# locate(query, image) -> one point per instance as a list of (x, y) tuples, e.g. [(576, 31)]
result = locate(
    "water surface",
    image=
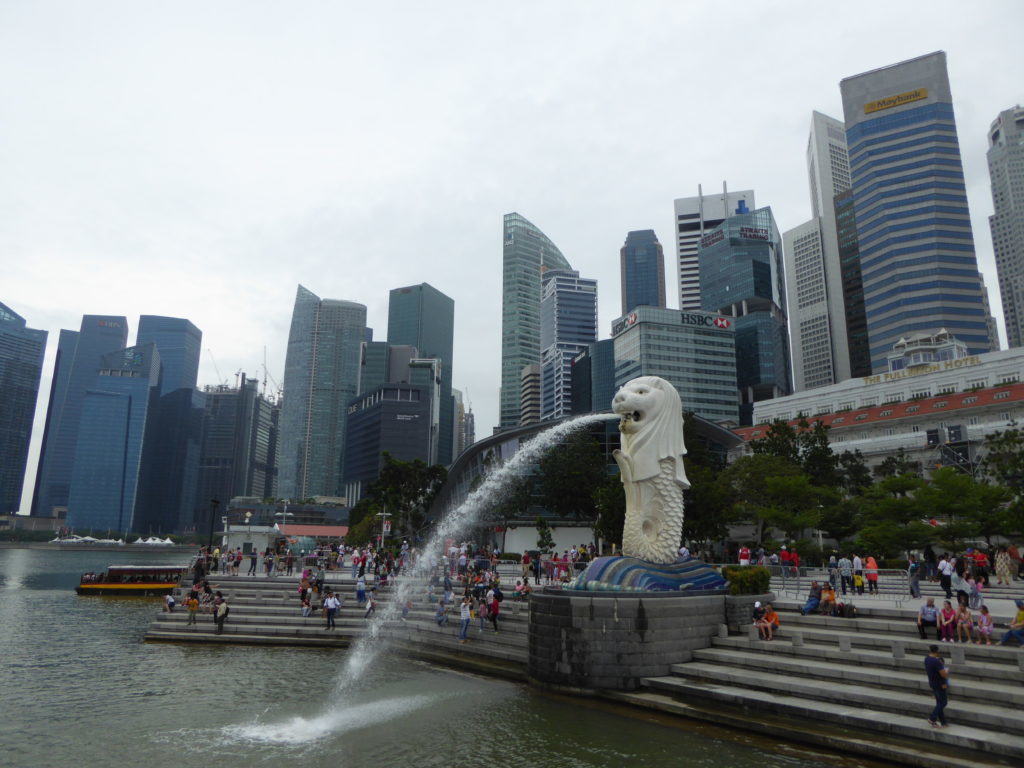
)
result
[(80, 689)]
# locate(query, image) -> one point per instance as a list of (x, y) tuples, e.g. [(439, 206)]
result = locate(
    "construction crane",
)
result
[(266, 375), (221, 380)]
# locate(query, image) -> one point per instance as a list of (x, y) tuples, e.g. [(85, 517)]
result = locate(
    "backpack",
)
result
[(498, 595), (849, 611)]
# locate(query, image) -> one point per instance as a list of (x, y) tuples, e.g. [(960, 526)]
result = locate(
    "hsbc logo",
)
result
[(689, 318)]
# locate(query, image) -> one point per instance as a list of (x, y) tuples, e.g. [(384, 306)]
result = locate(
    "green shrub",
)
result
[(747, 579)]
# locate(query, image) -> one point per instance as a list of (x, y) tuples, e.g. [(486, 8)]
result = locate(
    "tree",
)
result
[(898, 464), (363, 532), (610, 502), (779, 440), (544, 540), (1004, 458), (855, 476), (746, 483), (568, 474), (708, 507), (792, 504), (405, 489), (804, 446)]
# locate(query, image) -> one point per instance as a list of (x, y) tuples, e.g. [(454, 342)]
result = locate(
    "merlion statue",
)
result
[(651, 467)]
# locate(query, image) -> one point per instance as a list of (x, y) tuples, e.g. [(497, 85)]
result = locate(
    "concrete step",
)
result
[(333, 641), (841, 692), (868, 609), (841, 671), (896, 724), (993, 654), (981, 672)]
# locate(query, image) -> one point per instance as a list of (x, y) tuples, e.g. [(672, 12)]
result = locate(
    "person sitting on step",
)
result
[(828, 599), (813, 599), (769, 623)]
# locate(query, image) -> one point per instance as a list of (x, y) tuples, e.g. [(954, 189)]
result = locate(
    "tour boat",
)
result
[(132, 580)]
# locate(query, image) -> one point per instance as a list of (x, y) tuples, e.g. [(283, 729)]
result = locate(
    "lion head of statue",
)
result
[(651, 424)]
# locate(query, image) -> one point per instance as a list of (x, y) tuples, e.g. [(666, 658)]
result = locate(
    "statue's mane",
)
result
[(660, 436)]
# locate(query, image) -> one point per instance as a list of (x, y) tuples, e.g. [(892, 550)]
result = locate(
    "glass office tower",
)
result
[(117, 421), (642, 271), (421, 316), (79, 355), (741, 275), (568, 325), (917, 258), (1006, 172), (21, 366), (179, 343), (321, 375), (526, 253)]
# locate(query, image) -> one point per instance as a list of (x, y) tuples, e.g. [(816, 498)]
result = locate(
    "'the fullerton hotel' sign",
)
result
[(895, 101)]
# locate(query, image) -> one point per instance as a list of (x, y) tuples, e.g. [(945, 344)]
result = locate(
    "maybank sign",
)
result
[(896, 101)]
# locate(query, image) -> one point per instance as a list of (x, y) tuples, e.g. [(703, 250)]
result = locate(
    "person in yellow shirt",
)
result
[(192, 604), (1016, 630)]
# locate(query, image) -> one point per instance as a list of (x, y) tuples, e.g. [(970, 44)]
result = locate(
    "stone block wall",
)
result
[(611, 641), (739, 609)]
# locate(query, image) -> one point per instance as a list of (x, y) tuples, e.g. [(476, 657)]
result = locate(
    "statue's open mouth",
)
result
[(632, 416)]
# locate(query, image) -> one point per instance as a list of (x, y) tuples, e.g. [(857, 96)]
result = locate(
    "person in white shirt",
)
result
[(946, 575), (684, 553), (464, 617), (331, 605)]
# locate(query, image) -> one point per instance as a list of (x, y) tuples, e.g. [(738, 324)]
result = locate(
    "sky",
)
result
[(200, 160)]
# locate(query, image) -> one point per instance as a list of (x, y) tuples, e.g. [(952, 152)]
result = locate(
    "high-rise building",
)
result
[(421, 316), (239, 455), (741, 275), (593, 377), (695, 351), (529, 394), (917, 258), (400, 418), (179, 343), (1006, 173), (21, 366), (526, 253), (79, 356), (321, 375), (695, 217), (568, 325), (848, 249), (117, 420), (172, 459), (814, 281), (470, 428), (459, 424), (642, 271)]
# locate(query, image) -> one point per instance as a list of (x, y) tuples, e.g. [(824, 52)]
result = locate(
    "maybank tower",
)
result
[(917, 258)]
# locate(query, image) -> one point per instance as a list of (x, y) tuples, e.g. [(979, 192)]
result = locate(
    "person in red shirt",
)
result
[(744, 555), (981, 566)]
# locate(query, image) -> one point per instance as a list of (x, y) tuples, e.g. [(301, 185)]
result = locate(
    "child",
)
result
[(169, 603), (405, 610), (974, 593), (361, 591), (964, 624), (858, 583), (441, 614), (307, 606), (192, 604), (769, 623), (947, 620), (371, 604), (984, 626)]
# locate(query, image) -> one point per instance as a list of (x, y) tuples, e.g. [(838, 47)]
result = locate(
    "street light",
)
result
[(214, 503), (383, 523)]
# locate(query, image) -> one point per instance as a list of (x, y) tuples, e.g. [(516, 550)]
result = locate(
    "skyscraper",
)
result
[(321, 375), (179, 343), (529, 394), (239, 455), (117, 421), (853, 286), (79, 357), (526, 252), (1006, 173), (814, 280), (741, 275), (168, 495), (695, 217), (568, 325), (21, 365), (421, 316), (918, 264), (642, 271), (593, 377)]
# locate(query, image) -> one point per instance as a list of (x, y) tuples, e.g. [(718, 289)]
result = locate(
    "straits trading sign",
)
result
[(895, 101)]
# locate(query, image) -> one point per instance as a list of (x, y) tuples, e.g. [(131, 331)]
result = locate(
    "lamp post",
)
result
[(383, 523), (214, 503)]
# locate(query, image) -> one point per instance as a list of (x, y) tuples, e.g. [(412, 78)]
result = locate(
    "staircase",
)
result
[(858, 681)]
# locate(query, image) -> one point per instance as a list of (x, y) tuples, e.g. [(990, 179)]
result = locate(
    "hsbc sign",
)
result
[(689, 318)]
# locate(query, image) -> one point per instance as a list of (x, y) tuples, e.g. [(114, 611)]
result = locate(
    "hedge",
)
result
[(747, 579)]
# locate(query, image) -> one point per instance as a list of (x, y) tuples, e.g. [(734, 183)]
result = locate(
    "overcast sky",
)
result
[(201, 159)]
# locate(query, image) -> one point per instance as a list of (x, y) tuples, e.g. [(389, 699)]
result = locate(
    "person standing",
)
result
[(331, 605), (845, 573), (1004, 567), (938, 677), (858, 569), (464, 617), (192, 604), (744, 555), (253, 557), (526, 566), (945, 568), (914, 576), (220, 614), (872, 574)]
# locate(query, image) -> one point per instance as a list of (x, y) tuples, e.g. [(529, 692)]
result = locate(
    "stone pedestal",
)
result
[(610, 641)]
